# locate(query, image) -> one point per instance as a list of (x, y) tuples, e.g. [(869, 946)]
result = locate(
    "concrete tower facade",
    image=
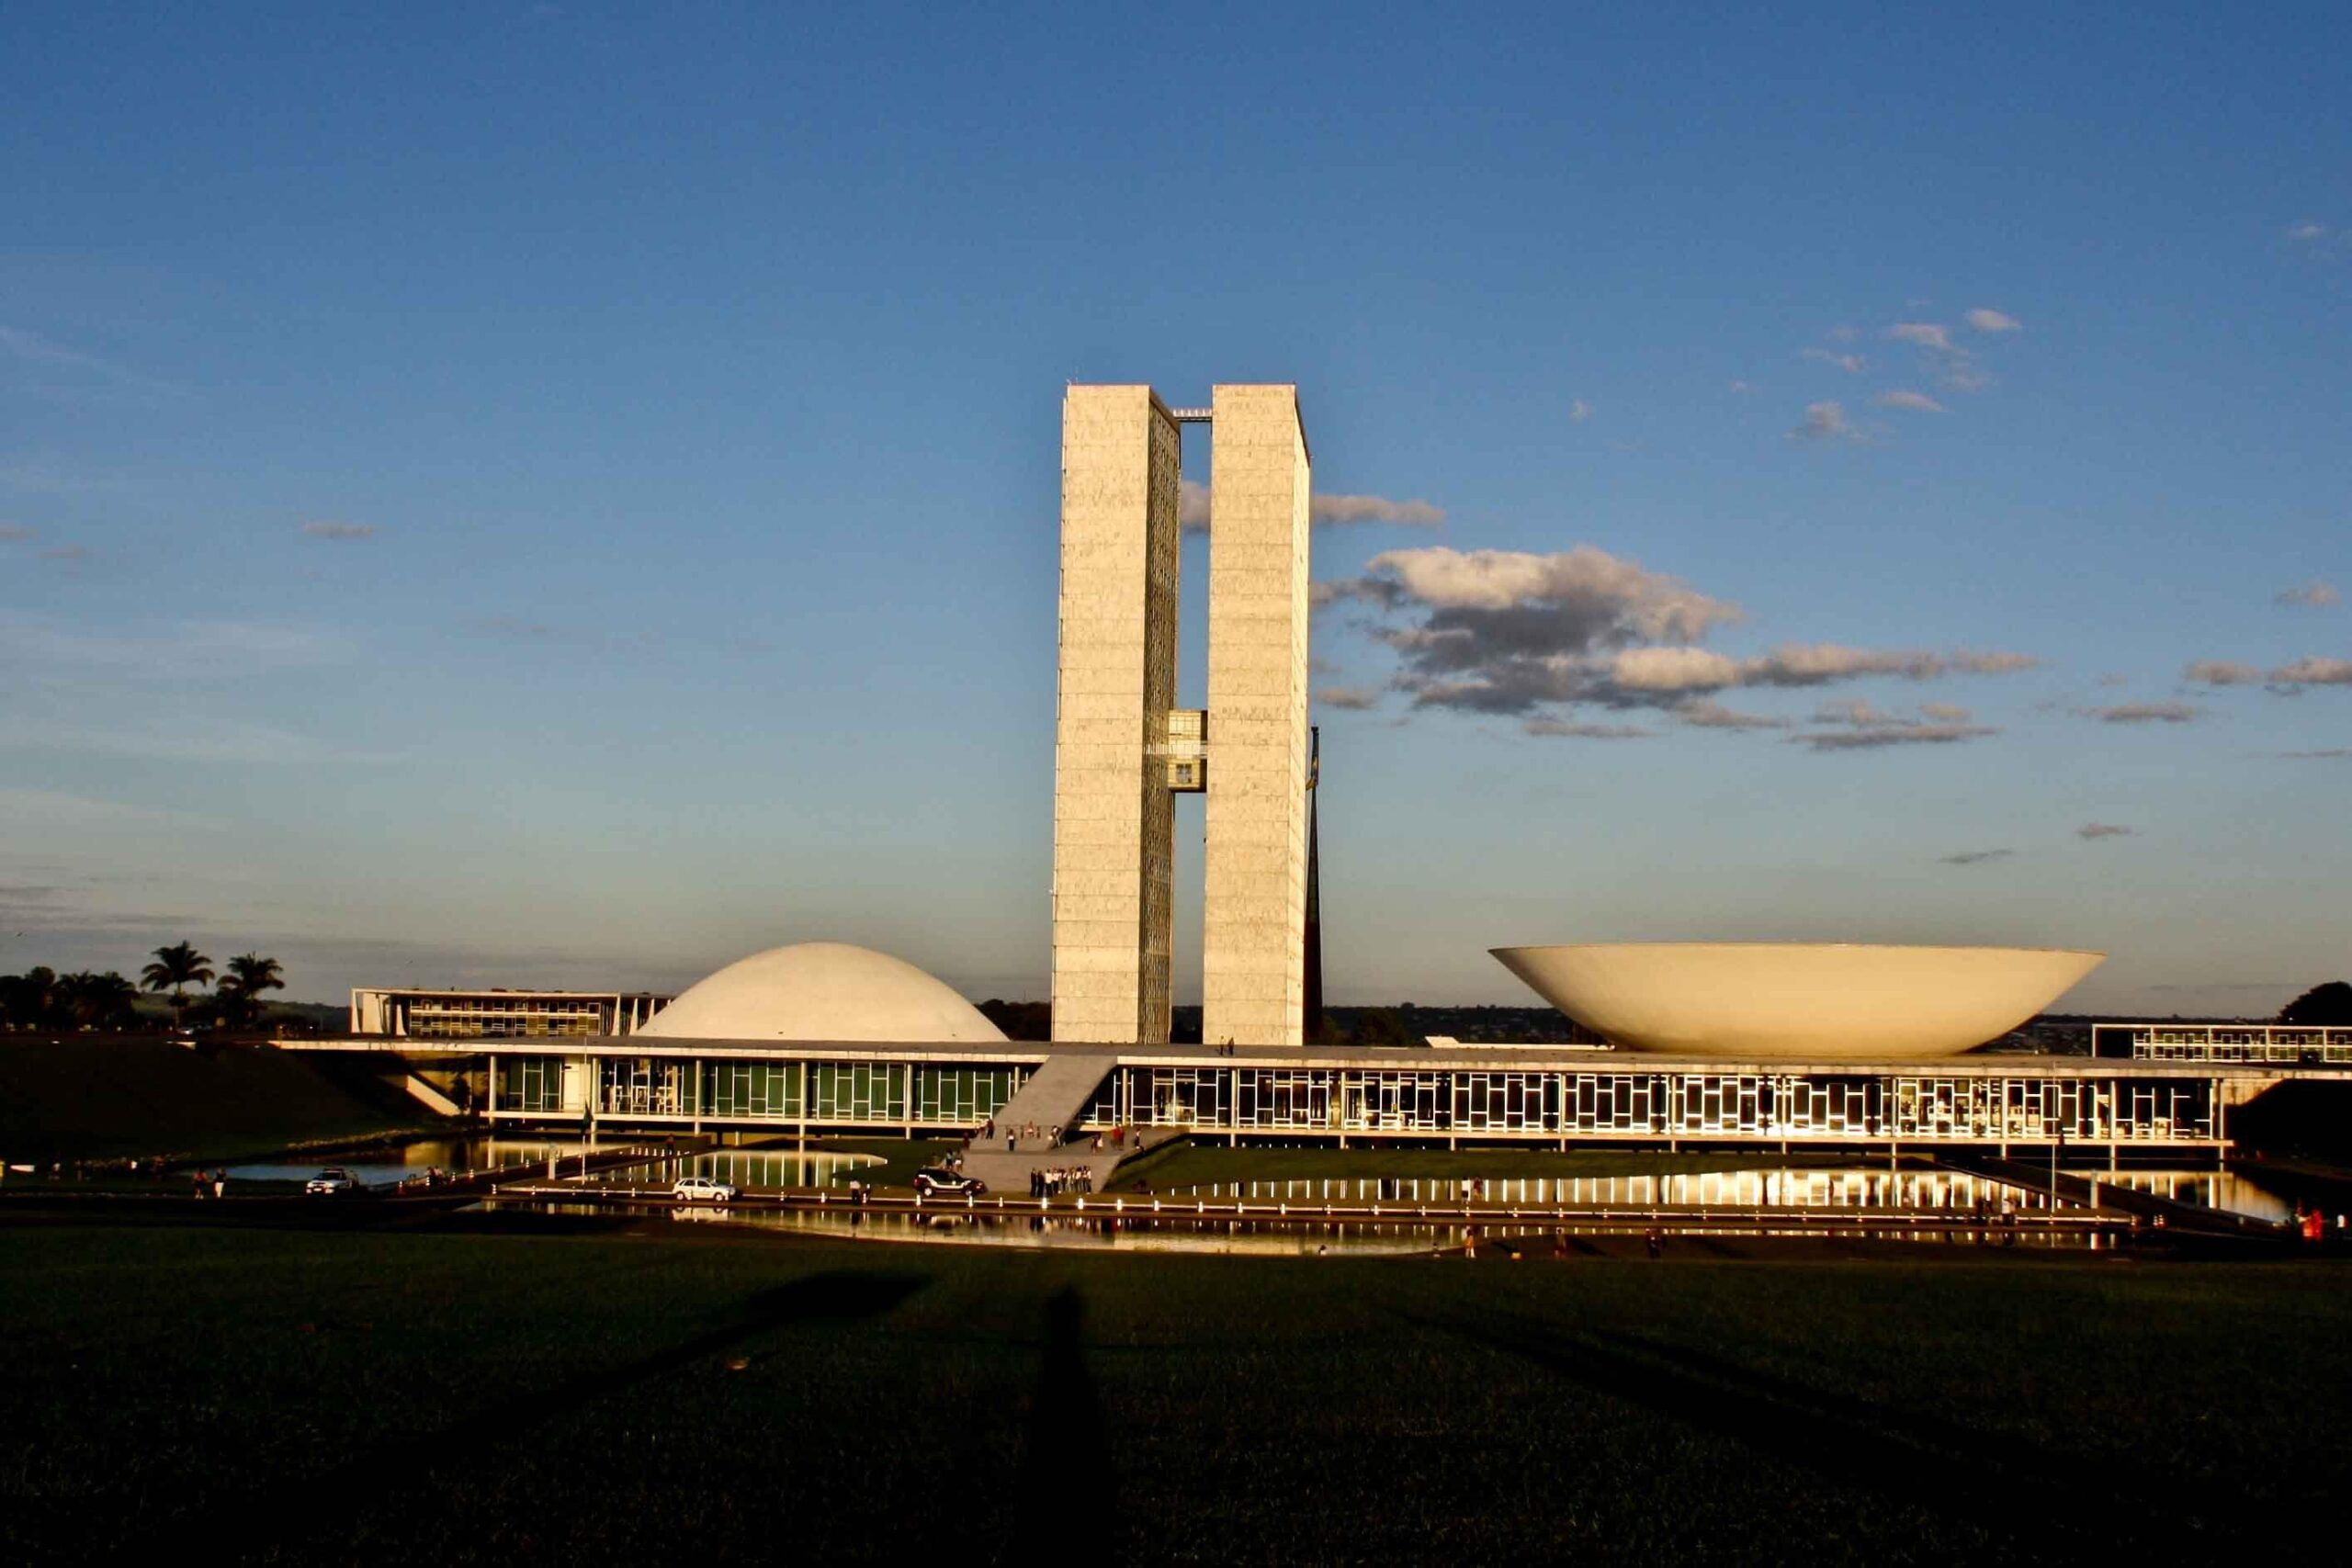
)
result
[(1113, 815), (1123, 749), (1254, 912)]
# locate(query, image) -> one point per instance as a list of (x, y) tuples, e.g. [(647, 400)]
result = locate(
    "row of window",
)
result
[(892, 1092), (1280, 1099)]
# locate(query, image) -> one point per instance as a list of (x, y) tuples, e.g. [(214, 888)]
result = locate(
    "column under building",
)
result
[(1254, 909), (1113, 816)]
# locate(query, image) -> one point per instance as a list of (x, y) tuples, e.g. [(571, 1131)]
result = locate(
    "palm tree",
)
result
[(175, 968), (98, 1001), (239, 999), (29, 1000)]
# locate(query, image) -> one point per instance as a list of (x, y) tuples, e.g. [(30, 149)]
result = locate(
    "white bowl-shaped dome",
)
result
[(1809, 1001), (821, 990)]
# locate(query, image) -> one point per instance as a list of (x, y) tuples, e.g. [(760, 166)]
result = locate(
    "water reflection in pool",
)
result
[(747, 1168), (1133, 1234), (1909, 1191), (2225, 1190), (381, 1167)]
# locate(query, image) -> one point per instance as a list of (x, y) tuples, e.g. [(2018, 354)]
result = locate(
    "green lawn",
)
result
[(900, 1157), (631, 1393), (1191, 1165), (102, 1098)]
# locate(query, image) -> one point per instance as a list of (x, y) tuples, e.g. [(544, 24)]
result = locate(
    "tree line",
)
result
[(42, 999)]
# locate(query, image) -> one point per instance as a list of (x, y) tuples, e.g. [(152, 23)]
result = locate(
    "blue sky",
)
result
[(567, 493)]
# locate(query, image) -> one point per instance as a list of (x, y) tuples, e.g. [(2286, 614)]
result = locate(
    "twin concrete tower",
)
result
[(1123, 751)]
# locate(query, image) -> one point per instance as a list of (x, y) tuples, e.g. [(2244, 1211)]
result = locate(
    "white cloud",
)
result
[(1975, 857), (2314, 671), (1561, 727), (1589, 581), (1917, 403), (11, 533), (1985, 321), (2314, 594), (340, 530), (1858, 725), (1511, 631), (1374, 509), (1850, 710), (167, 652), (211, 739), (31, 349), (1826, 421), (34, 808), (2307, 232), (1192, 505), (1706, 712), (2102, 830), (1579, 411), (1673, 670), (1926, 334), (1193, 510), (1955, 367), (2144, 712), (1353, 698), (1995, 663), (1851, 363), (1843, 334)]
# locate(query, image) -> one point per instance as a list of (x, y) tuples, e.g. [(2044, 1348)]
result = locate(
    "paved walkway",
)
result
[(1007, 1174)]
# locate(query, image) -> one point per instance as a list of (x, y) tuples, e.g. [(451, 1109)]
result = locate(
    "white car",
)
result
[(332, 1182), (694, 1189)]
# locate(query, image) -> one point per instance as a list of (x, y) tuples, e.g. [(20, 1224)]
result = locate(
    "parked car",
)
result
[(332, 1182), (703, 1189), (938, 1180)]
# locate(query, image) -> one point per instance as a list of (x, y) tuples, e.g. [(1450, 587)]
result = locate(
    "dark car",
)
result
[(938, 1179)]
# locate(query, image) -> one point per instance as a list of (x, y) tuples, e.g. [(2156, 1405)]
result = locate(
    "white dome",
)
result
[(1803, 1001), (821, 990)]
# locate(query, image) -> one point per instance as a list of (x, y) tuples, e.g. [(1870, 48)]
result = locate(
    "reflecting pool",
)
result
[(1904, 1190), (747, 1168), (385, 1166), (2228, 1190)]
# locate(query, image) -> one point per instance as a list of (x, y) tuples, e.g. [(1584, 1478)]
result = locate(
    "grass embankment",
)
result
[(107, 1098), (1183, 1165), (301, 1398)]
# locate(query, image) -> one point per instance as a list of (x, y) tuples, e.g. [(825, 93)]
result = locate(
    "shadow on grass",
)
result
[(2028, 1502), (300, 1514), (1064, 1491)]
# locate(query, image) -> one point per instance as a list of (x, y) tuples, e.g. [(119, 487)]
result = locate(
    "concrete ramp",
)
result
[(1057, 1095), (422, 1091)]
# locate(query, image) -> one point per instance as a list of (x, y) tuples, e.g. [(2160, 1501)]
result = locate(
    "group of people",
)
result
[(1052, 1183), (1116, 1138), (210, 1183), (1012, 1135)]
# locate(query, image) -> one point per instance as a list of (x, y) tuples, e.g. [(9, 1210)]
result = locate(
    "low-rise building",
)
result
[(499, 1014)]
